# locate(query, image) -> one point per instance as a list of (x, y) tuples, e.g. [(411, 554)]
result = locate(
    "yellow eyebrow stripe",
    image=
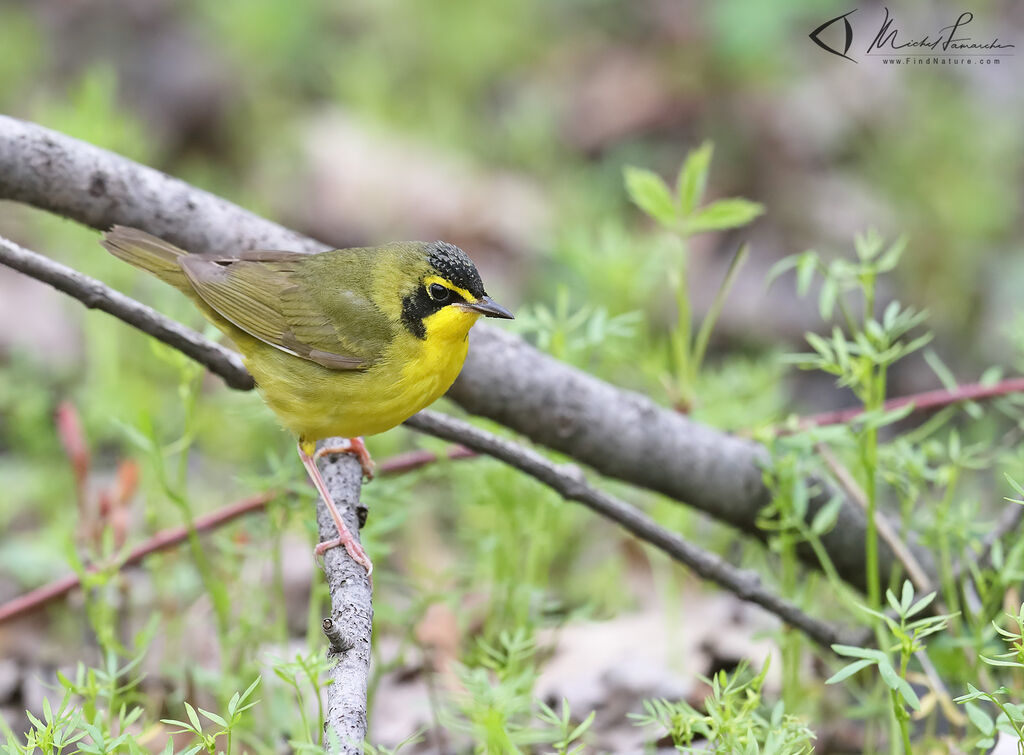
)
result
[(431, 279)]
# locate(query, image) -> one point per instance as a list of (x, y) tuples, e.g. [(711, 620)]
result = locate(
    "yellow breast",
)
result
[(315, 402)]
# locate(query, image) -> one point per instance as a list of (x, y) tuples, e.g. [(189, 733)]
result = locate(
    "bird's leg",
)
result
[(355, 550), (357, 448)]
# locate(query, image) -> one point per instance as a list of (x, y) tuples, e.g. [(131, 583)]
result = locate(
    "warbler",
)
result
[(347, 342)]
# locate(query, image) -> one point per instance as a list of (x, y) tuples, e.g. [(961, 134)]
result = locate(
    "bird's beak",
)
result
[(487, 307)]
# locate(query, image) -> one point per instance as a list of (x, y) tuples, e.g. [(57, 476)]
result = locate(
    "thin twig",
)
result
[(161, 541), (95, 295), (927, 400), (412, 460), (914, 569), (569, 482)]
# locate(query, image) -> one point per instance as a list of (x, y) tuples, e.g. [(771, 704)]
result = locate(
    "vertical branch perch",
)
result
[(349, 625)]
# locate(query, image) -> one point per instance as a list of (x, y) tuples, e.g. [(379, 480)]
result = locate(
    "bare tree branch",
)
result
[(571, 484), (351, 609)]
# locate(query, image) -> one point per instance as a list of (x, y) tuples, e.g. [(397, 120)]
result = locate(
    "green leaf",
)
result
[(996, 662), (826, 517), (921, 604), (651, 195), (852, 651), (907, 693), (214, 717), (782, 266), (1017, 487), (722, 215), (893, 603), (991, 376), (584, 725), (973, 693), (827, 299), (942, 372), (880, 418), (981, 720), (847, 671), (805, 267), (907, 596), (693, 177), (892, 256), (820, 345), (193, 717), (172, 722), (888, 674)]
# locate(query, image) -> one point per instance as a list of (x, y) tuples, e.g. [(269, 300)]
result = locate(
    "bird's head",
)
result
[(449, 296)]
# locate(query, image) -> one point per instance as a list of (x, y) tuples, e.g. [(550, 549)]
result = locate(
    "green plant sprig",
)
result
[(680, 211)]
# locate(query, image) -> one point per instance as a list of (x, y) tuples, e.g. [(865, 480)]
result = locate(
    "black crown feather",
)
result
[(453, 265)]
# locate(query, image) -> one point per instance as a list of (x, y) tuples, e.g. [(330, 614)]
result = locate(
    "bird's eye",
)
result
[(438, 292)]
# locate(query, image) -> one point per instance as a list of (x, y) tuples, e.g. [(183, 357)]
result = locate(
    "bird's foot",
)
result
[(357, 448), (345, 537), (352, 546)]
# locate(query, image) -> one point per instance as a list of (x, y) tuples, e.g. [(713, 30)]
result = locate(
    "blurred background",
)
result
[(503, 127)]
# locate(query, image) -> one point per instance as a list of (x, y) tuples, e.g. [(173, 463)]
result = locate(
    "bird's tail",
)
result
[(148, 253)]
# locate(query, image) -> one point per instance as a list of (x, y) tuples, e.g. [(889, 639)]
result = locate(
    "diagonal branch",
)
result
[(571, 484), (504, 379)]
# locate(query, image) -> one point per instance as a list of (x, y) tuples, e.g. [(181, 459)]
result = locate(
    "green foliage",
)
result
[(224, 726), (860, 356), (90, 112), (495, 706), (569, 731), (682, 214), (734, 720), (906, 636), (1010, 719), (578, 336), (56, 731), (302, 673)]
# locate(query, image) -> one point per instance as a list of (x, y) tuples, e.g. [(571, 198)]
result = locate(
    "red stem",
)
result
[(169, 538), (928, 400), (411, 460), (163, 540)]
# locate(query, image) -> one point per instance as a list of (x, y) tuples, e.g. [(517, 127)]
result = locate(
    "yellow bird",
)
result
[(348, 342)]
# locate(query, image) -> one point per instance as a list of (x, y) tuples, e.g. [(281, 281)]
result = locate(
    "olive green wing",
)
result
[(273, 297)]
